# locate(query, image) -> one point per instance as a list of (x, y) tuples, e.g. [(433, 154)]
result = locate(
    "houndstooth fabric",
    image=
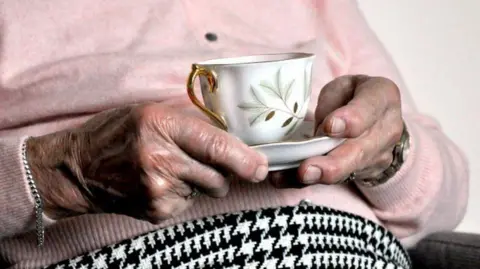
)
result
[(303, 236)]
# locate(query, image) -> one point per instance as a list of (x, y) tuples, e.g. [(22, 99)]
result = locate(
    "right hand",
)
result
[(141, 161)]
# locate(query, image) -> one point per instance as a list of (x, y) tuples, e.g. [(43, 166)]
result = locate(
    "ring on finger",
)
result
[(195, 193), (350, 178)]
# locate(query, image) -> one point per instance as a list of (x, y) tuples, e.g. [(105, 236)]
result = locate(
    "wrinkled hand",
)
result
[(142, 161), (367, 110)]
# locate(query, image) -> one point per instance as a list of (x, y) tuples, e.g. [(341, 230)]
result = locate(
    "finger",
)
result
[(213, 146), (334, 167), (165, 196), (285, 179), (168, 172), (370, 149), (154, 202), (207, 179), (166, 207), (372, 98), (334, 94), (378, 167), (353, 155)]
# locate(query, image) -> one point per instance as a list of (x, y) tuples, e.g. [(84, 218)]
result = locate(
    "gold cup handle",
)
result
[(212, 83)]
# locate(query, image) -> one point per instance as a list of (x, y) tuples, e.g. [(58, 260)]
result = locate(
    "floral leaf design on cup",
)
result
[(287, 122), (258, 108), (306, 98), (270, 115), (261, 110)]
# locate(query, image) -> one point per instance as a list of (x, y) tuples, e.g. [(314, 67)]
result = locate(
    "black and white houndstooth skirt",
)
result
[(302, 236)]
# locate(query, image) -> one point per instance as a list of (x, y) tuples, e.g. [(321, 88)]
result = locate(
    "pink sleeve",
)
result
[(17, 213), (430, 191)]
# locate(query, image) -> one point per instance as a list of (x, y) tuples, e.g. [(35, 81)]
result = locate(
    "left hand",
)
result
[(367, 110)]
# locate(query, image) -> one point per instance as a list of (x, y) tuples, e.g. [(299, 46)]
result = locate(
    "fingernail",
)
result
[(338, 125), (261, 173), (264, 157), (312, 175), (319, 131)]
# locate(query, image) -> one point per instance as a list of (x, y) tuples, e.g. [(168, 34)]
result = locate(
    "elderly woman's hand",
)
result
[(143, 161), (367, 111)]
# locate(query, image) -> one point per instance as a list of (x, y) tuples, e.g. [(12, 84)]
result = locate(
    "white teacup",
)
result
[(260, 99)]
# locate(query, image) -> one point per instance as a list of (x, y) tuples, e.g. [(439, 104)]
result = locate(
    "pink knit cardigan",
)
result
[(62, 61)]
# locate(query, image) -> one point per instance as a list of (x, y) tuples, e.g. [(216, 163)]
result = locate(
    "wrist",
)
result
[(60, 194)]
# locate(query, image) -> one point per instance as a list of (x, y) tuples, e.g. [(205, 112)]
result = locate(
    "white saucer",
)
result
[(291, 153)]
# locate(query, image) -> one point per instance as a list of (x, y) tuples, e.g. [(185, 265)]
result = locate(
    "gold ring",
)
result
[(350, 178), (195, 193)]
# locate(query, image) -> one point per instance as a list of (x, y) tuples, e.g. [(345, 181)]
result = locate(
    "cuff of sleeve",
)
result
[(412, 183), (17, 205)]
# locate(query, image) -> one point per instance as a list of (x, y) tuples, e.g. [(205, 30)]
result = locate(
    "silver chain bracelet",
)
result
[(36, 197)]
